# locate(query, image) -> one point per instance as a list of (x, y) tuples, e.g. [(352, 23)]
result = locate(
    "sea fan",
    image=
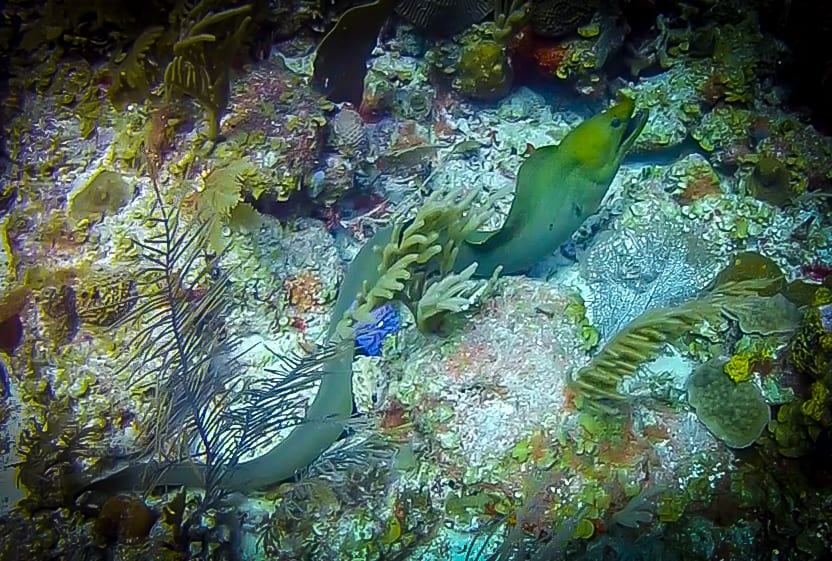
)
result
[(639, 510), (596, 384)]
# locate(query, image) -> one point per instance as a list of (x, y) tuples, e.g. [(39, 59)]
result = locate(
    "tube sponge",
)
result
[(736, 413)]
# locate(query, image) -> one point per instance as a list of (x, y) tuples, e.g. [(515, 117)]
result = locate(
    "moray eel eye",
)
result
[(615, 123)]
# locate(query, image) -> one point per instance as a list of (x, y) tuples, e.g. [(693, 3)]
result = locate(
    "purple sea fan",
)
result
[(369, 336)]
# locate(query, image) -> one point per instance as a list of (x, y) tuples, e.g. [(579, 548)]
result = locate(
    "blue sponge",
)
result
[(370, 336)]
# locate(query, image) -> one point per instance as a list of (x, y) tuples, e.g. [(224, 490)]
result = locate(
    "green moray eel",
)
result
[(557, 188)]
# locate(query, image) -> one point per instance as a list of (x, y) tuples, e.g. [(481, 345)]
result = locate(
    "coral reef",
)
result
[(276, 125), (193, 44), (643, 338), (105, 300), (479, 65), (800, 423), (693, 178), (554, 18), (444, 17), (512, 418), (468, 394), (587, 54), (811, 348)]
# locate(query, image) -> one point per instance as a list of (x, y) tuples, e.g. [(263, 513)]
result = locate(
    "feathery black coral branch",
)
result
[(182, 354), (184, 358)]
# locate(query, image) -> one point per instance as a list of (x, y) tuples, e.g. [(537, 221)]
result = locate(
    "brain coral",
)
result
[(553, 18), (444, 17), (736, 412)]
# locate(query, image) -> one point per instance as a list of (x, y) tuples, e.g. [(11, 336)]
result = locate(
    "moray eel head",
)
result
[(600, 143)]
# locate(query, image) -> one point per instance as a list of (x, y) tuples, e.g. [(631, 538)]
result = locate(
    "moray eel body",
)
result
[(324, 422), (557, 188)]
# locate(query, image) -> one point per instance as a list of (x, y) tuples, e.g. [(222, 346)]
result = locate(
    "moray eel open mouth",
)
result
[(635, 124), (558, 187)]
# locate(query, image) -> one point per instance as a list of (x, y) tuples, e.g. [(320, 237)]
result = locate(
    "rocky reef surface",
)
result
[(477, 440)]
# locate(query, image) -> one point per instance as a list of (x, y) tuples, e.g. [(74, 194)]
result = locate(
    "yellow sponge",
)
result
[(738, 367)]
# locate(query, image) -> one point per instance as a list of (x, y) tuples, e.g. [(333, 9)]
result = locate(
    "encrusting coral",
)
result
[(738, 367), (105, 299), (799, 424), (105, 193), (483, 70), (747, 265)]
